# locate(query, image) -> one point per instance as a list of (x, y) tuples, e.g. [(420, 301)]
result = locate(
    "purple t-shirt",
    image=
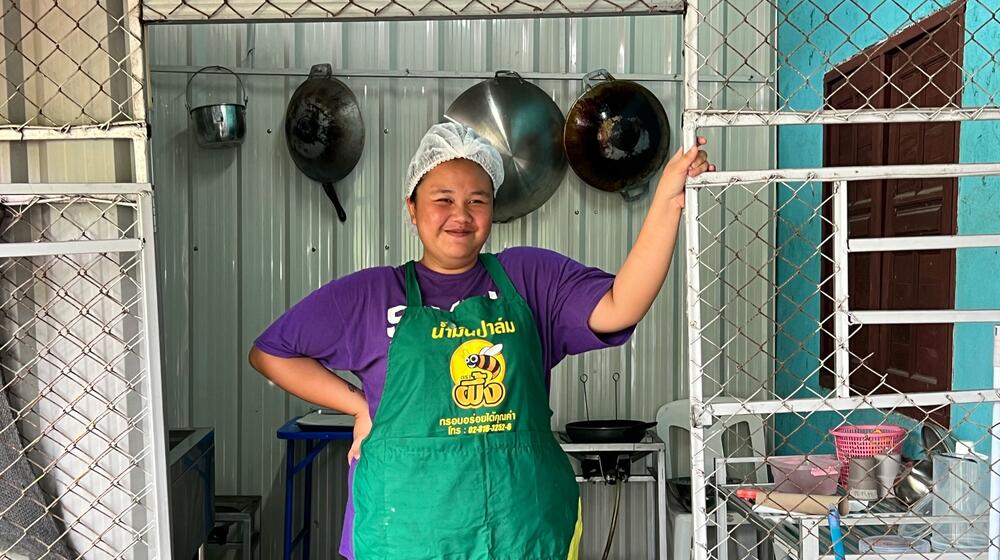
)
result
[(348, 323)]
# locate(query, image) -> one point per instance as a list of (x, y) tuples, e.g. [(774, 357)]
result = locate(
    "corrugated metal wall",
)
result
[(242, 235)]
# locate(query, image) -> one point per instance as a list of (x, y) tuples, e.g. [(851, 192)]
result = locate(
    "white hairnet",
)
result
[(447, 141)]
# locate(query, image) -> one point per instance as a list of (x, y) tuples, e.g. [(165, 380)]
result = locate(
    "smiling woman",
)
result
[(454, 353), (453, 211)]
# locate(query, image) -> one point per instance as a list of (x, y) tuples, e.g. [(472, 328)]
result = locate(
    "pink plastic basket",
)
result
[(865, 441)]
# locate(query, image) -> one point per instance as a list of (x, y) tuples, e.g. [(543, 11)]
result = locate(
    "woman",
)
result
[(454, 354)]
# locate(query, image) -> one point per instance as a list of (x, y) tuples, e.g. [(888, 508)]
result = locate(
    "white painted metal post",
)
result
[(695, 368), (854, 173), (151, 338), (994, 551), (841, 355), (809, 539), (661, 502)]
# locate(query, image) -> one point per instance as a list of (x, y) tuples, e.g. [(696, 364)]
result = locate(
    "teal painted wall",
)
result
[(977, 270), (816, 37)]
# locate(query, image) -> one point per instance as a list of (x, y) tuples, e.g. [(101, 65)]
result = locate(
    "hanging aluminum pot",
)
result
[(526, 127), (219, 125), (324, 130), (617, 135)]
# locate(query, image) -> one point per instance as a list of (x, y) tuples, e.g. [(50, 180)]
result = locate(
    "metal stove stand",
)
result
[(614, 463)]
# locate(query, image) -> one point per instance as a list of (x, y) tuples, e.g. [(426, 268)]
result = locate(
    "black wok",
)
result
[(324, 130), (607, 431), (617, 135)]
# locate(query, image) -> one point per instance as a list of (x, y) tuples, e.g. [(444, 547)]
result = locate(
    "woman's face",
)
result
[(453, 212)]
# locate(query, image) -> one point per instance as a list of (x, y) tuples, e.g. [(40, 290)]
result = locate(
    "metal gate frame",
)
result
[(142, 246), (704, 413)]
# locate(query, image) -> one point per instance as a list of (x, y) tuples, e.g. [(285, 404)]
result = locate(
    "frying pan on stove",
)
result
[(607, 431)]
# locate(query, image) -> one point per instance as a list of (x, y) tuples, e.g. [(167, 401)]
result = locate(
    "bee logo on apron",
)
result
[(478, 369)]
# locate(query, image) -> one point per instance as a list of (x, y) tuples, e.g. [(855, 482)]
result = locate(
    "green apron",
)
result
[(461, 462)]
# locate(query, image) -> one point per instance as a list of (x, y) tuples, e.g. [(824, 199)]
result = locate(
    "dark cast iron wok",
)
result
[(324, 130), (617, 135), (607, 431)]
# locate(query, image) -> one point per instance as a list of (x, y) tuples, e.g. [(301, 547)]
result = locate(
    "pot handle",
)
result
[(591, 79), (324, 70), (508, 74), (187, 91), (635, 192)]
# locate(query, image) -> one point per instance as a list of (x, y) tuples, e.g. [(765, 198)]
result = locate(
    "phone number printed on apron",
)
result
[(480, 423)]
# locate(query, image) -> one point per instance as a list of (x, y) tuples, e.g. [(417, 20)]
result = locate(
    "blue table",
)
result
[(315, 441)]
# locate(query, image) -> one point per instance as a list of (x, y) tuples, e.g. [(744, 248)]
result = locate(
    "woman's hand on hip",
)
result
[(362, 427)]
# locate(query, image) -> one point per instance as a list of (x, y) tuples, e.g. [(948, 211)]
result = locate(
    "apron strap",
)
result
[(413, 297), (499, 275)]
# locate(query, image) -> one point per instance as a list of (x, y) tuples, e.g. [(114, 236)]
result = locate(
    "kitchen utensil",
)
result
[(326, 421), (523, 122), (608, 431), (920, 508), (865, 441), (793, 503), (961, 491), (615, 377), (324, 130), (917, 478), (218, 125), (936, 439), (805, 474), (891, 544), (836, 533), (915, 482), (886, 470), (680, 489), (861, 478), (617, 135)]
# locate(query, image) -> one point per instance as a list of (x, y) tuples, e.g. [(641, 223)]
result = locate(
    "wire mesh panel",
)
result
[(70, 63), (833, 60), (235, 10), (80, 417), (856, 400)]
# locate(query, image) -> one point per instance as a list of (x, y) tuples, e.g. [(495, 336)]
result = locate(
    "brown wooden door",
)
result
[(919, 357), (918, 68), (859, 144)]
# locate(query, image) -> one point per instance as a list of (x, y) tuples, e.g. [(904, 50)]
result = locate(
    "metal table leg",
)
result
[(307, 516), (661, 501), (809, 539), (289, 497)]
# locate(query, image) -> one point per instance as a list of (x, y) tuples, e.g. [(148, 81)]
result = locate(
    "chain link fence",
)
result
[(885, 425), (837, 354), (78, 474), (237, 10), (70, 63), (825, 61)]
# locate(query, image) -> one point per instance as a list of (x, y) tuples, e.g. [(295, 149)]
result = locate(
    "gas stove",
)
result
[(612, 462)]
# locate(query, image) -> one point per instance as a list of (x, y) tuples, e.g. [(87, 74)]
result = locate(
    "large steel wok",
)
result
[(526, 126)]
